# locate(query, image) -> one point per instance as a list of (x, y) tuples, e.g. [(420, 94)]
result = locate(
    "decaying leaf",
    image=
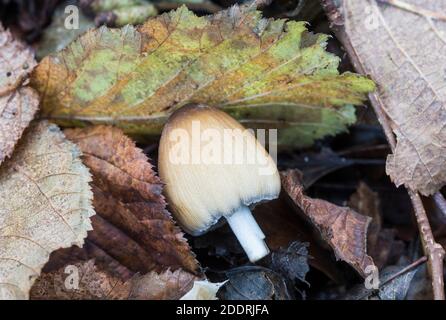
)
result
[(267, 73), (291, 262), (56, 36), (342, 228), (18, 103), (381, 242), (254, 283), (119, 13), (408, 65), (84, 281), (165, 286), (132, 224), (45, 204), (203, 290), (80, 281)]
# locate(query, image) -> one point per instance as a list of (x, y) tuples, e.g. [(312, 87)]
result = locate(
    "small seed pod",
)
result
[(213, 167)]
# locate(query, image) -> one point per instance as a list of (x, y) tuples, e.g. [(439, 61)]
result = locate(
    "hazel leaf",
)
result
[(45, 204), (267, 73), (18, 102), (132, 224)]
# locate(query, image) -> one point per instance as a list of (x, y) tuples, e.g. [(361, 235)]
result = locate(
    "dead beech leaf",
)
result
[(403, 52), (45, 204), (85, 281), (342, 228), (18, 103), (132, 224), (260, 70)]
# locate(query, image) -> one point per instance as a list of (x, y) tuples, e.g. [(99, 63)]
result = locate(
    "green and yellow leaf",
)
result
[(267, 73)]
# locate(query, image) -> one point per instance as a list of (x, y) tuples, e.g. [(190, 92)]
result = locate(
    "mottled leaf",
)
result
[(342, 228), (18, 103), (133, 225), (45, 204), (267, 73), (403, 51)]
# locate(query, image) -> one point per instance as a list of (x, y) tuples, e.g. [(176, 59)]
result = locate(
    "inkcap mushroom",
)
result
[(213, 167)]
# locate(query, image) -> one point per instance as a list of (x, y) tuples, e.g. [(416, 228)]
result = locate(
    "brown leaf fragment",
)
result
[(164, 286), (342, 228), (403, 52), (80, 281), (85, 281), (45, 204), (18, 103), (133, 225), (381, 242)]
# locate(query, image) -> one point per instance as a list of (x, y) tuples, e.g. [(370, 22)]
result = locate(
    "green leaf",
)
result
[(267, 73)]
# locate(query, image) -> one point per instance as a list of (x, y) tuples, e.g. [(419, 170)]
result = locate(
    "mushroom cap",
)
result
[(212, 166)]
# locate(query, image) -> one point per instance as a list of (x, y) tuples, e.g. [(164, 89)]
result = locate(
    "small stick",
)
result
[(406, 269), (415, 9)]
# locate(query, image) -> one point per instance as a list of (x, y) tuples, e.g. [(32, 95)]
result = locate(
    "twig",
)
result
[(433, 251), (406, 269), (415, 9)]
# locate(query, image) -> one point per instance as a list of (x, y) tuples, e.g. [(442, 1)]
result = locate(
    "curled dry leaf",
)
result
[(342, 228), (18, 103), (261, 71), (45, 204), (85, 281), (408, 65), (132, 224)]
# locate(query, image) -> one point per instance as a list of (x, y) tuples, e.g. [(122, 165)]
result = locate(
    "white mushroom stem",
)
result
[(248, 233)]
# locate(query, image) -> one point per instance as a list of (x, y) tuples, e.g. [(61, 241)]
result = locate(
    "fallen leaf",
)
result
[(291, 262), (85, 281), (262, 71), (165, 286), (56, 36), (403, 53), (254, 283), (342, 228), (381, 242), (119, 13), (18, 103), (132, 224), (203, 290), (392, 285), (45, 204), (282, 226), (80, 281)]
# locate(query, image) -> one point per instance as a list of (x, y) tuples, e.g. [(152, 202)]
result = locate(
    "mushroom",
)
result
[(213, 167)]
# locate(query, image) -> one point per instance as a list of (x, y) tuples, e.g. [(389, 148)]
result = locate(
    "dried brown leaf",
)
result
[(132, 225), (18, 103), (342, 228), (403, 51), (45, 204), (85, 281)]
